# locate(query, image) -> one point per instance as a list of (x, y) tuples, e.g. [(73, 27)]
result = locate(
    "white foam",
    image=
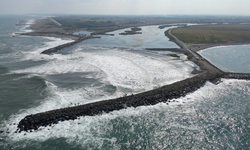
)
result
[(36, 54), (26, 27), (120, 68), (124, 69), (90, 129), (132, 70)]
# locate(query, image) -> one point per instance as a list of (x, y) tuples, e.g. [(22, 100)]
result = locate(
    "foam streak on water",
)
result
[(121, 68), (213, 117), (180, 124), (111, 69)]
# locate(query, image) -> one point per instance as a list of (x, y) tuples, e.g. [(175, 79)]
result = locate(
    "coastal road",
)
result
[(183, 45), (198, 59)]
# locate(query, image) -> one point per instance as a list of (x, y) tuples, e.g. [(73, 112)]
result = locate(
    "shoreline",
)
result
[(46, 27), (208, 72), (201, 47)]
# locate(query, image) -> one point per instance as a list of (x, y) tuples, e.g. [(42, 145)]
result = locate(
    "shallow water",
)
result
[(213, 117)]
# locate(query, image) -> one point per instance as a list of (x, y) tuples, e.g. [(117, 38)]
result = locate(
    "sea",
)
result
[(213, 117)]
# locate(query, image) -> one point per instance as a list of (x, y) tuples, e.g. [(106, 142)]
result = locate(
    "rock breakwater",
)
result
[(163, 94), (60, 47), (242, 76)]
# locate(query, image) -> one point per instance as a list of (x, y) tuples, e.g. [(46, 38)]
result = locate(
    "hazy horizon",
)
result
[(126, 7)]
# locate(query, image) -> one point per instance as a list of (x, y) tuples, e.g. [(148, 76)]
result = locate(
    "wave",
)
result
[(26, 25), (36, 55), (89, 130), (120, 68), (33, 52)]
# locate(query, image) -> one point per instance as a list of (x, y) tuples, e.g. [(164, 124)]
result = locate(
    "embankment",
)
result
[(240, 76), (176, 50)]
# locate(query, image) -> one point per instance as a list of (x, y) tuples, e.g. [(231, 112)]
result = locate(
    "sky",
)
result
[(126, 7)]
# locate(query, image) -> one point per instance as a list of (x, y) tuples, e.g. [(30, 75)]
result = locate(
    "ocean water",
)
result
[(213, 117)]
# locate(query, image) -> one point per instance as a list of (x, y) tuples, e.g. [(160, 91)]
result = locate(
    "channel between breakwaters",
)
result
[(164, 94)]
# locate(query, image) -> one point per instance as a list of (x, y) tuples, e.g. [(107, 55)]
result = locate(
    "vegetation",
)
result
[(136, 29), (164, 26), (133, 31), (101, 24), (213, 33)]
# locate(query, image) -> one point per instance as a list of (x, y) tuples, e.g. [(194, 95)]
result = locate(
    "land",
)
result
[(134, 30), (165, 26), (47, 27), (166, 94), (64, 26), (101, 24), (205, 36)]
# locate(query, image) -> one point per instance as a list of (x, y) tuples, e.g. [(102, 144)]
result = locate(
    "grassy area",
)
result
[(214, 33), (133, 31), (101, 24)]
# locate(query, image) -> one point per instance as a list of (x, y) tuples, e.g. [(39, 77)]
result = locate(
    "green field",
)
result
[(214, 33)]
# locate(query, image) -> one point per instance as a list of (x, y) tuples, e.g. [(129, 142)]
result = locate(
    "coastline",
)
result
[(200, 47), (208, 72), (46, 27)]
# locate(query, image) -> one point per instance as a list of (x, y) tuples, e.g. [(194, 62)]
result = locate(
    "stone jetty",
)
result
[(60, 47), (163, 94), (240, 76)]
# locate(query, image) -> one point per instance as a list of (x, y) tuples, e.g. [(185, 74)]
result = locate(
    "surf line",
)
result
[(60, 47), (163, 94)]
